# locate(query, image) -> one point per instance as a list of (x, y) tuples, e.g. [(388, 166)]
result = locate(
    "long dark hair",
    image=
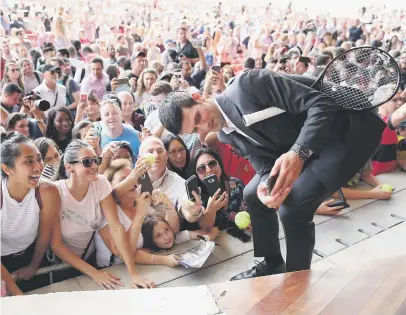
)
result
[(223, 178), (184, 172), (10, 148), (147, 228), (51, 131)]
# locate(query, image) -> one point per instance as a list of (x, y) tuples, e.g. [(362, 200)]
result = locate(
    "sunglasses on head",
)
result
[(201, 169), (87, 162)]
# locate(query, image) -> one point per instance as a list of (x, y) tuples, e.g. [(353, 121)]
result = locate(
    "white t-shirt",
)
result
[(103, 254), (79, 219)]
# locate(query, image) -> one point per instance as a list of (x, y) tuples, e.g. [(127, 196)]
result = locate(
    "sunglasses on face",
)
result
[(87, 162), (201, 169)]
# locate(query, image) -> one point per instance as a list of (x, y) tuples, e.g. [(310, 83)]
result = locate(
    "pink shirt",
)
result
[(79, 219), (96, 85)]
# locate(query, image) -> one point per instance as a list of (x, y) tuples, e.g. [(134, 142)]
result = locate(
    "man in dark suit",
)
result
[(289, 130)]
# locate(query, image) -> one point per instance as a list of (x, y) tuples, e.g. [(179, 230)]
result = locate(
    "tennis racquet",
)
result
[(360, 78)]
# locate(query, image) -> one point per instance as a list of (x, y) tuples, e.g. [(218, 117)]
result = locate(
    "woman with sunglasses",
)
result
[(222, 207), (59, 126), (178, 155), (27, 208), (86, 201), (12, 74)]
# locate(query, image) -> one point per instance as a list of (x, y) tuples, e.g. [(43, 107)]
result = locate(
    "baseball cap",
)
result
[(402, 125), (49, 68), (138, 54), (169, 41)]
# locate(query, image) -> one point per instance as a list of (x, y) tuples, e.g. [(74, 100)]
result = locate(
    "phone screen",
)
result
[(83, 97), (216, 68)]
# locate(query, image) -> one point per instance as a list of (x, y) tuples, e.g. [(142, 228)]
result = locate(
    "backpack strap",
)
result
[(82, 74), (37, 77)]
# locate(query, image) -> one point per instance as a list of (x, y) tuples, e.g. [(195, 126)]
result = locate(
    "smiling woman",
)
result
[(59, 126), (27, 208), (86, 202)]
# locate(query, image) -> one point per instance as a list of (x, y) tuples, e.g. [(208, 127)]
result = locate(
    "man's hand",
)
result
[(272, 201), (288, 168)]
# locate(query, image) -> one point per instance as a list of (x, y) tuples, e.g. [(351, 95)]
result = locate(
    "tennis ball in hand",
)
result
[(150, 158), (387, 188), (242, 219)]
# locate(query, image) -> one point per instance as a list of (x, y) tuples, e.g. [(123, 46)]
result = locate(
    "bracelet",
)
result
[(153, 260)]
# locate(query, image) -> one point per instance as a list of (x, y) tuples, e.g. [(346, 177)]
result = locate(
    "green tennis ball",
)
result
[(387, 187), (150, 158), (242, 219)]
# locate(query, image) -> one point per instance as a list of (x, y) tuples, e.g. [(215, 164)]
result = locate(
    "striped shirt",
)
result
[(19, 221)]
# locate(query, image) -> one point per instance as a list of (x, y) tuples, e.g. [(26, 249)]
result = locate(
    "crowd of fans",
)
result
[(80, 91)]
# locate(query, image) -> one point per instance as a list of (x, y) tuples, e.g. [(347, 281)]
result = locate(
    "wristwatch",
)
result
[(302, 152)]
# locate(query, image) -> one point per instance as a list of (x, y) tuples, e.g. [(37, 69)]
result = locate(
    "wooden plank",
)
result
[(279, 299), (362, 286), (238, 297), (391, 295), (319, 295)]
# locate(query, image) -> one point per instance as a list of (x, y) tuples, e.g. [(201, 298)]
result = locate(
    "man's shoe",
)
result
[(259, 270)]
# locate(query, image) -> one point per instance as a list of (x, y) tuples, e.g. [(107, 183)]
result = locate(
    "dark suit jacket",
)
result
[(341, 141)]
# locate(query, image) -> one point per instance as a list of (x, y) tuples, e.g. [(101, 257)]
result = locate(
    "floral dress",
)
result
[(225, 217)]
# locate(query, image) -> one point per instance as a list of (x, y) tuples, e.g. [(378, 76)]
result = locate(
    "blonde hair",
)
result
[(141, 88)]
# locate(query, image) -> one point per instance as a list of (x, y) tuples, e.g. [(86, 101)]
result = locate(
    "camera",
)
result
[(175, 56), (38, 101)]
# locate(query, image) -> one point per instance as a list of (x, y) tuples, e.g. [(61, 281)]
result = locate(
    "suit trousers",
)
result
[(296, 214)]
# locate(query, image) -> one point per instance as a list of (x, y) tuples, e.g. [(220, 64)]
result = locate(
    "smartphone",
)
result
[(177, 73), (123, 85), (212, 184), (83, 97), (192, 185), (97, 128), (146, 184), (341, 203), (240, 234), (216, 68), (270, 182), (122, 81)]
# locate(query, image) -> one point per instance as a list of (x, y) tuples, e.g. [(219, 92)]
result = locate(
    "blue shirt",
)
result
[(129, 134)]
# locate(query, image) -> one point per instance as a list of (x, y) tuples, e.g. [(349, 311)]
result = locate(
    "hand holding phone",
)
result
[(212, 184), (270, 183), (146, 184), (192, 184), (83, 98)]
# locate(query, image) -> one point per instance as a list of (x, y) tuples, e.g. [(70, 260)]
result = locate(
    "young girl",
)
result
[(86, 201), (27, 208), (159, 235)]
